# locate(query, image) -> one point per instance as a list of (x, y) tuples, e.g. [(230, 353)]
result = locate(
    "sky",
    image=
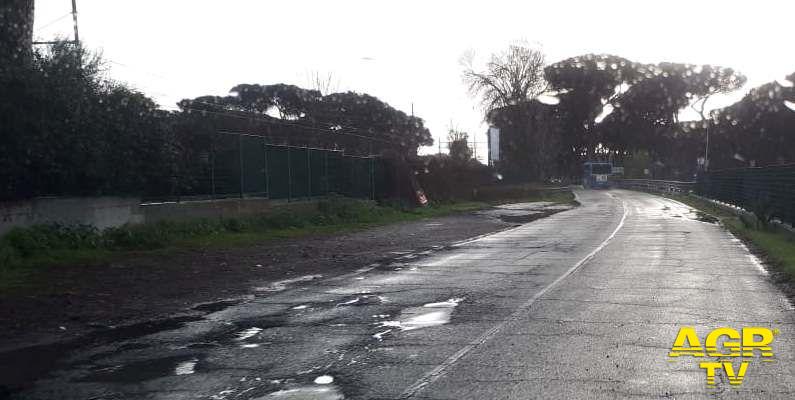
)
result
[(407, 52)]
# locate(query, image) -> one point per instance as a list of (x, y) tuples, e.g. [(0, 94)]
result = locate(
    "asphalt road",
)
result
[(583, 304)]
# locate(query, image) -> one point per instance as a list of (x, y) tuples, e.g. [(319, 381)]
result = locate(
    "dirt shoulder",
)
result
[(78, 299)]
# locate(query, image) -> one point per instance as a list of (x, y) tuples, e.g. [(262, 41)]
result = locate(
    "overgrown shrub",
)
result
[(27, 243), (445, 179), (67, 130)]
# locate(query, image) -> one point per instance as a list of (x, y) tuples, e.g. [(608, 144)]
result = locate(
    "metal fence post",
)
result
[(267, 171), (325, 167), (372, 173), (212, 170), (372, 178), (240, 161), (308, 174), (289, 176)]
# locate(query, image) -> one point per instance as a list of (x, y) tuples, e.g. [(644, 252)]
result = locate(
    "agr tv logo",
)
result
[(727, 345)]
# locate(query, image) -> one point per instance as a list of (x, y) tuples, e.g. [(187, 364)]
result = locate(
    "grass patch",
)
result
[(24, 250), (777, 246)]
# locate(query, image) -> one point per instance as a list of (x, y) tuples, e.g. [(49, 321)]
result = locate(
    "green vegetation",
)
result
[(24, 249), (776, 245)]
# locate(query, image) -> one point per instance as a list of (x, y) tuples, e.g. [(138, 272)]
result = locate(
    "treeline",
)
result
[(69, 130), (610, 108)]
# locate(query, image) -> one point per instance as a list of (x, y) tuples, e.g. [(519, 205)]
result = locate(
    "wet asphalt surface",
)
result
[(582, 304)]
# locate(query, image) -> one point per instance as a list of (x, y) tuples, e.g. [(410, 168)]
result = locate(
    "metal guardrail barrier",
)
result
[(651, 185), (767, 192)]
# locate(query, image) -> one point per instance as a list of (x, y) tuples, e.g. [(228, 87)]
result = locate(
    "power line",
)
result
[(47, 25), (239, 133), (76, 40), (74, 18)]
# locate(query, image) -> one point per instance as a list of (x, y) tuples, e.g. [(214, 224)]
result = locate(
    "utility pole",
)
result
[(74, 19), (76, 40), (706, 149)]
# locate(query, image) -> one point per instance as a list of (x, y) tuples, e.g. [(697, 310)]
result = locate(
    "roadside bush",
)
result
[(29, 241), (8, 256), (20, 245), (137, 237), (446, 179)]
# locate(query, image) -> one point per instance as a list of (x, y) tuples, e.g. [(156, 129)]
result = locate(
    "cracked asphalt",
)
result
[(585, 304)]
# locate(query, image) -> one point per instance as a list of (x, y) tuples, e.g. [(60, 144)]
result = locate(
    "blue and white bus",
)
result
[(596, 174)]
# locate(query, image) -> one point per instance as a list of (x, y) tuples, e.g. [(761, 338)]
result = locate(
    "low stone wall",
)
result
[(105, 212), (102, 212)]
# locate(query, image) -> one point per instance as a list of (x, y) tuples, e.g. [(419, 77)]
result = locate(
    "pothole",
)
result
[(144, 370), (427, 315)]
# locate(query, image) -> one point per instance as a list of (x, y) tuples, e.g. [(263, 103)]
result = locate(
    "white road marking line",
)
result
[(441, 369)]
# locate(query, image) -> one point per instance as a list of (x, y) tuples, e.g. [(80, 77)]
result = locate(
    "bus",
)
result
[(596, 174)]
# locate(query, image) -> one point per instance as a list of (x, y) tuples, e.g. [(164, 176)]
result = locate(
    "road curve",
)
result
[(583, 304)]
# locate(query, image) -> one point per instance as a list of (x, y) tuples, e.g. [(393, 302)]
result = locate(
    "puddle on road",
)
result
[(282, 285), (144, 370), (248, 333), (325, 392), (25, 365), (126, 332), (186, 367), (323, 389), (217, 305), (522, 213), (363, 300), (428, 315), (522, 218), (245, 334)]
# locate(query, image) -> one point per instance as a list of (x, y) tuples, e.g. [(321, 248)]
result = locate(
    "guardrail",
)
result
[(651, 185)]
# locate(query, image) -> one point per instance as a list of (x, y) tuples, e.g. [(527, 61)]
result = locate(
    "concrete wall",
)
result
[(105, 212), (102, 212)]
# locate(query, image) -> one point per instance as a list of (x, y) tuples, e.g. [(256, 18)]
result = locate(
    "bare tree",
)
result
[(511, 77), (454, 134), (324, 83)]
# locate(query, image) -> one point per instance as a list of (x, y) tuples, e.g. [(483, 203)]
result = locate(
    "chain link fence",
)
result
[(243, 165), (765, 191)]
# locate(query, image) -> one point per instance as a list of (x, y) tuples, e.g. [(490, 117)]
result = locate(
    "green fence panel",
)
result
[(227, 165), (277, 172), (361, 177), (380, 180), (245, 165), (318, 181), (335, 173), (299, 165), (252, 155)]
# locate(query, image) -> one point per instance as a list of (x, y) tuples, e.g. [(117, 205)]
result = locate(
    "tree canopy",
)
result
[(609, 105), (511, 77), (349, 119)]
